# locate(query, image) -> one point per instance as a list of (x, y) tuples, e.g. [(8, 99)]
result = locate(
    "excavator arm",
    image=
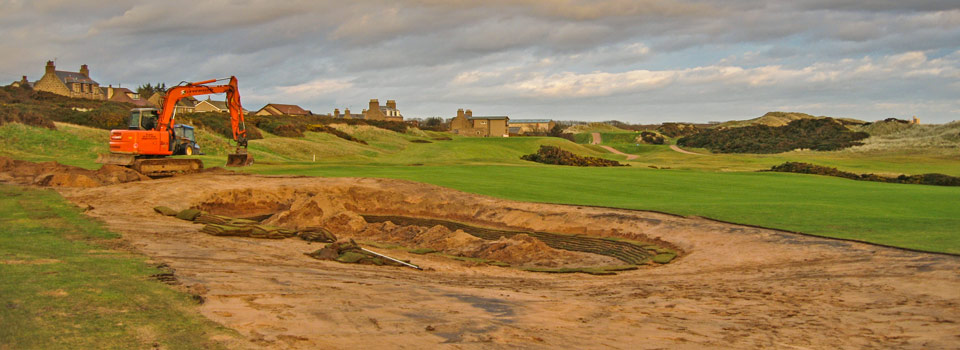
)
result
[(176, 93), (237, 124)]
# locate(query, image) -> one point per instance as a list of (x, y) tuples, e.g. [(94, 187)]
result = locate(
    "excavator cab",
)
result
[(143, 119)]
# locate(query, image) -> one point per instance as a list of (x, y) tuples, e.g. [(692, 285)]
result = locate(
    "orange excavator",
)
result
[(150, 138)]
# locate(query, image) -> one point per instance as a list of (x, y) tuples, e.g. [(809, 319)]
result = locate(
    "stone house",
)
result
[(346, 114), (124, 95), (466, 124), (70, 84), (210, 105), (521, 126), (184, 105), (282, 109), (388, 112), (22, 82)]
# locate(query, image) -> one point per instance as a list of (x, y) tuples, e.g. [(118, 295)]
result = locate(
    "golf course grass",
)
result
[(62, 287), (724, 187)]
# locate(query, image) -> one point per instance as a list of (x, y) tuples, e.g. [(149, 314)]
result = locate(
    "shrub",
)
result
[(651, 138), (817, 134), (678, 129), (924, 179), (555, 155)]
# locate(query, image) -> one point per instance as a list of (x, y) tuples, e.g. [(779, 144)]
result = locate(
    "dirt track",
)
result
[(734, 286)]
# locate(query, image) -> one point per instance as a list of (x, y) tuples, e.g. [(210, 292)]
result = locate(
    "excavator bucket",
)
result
[(116, 159), (239, 159)]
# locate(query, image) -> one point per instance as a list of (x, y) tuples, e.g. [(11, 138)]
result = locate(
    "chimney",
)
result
[(374, 105), (469, 113), (346, 112), (392, 104), (109, 91), (336, 112), (460, 113), (85, 71), (50, 67), (24, 80)]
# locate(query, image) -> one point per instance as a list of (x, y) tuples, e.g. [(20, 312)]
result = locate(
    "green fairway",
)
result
[(62, 288), (912, 216)]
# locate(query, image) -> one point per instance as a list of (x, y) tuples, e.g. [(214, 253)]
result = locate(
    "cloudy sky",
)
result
[(636, 61)]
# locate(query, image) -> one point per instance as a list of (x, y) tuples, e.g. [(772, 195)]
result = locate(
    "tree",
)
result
[(145, 91)]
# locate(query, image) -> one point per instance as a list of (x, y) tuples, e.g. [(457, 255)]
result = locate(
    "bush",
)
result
[(678, 129), (817, 134), (924, 179), (555, 155), (218, 123), (338, 133), (651, 138)]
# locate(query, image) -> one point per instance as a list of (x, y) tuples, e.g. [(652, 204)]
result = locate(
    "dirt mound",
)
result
[(350, 252), (54, 174), (336, 210), (518, 250)]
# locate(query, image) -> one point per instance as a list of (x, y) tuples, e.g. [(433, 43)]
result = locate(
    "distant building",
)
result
[(124, 95), (184, 105), (346, 114), (388, 112), (466, 124), (281, 109), (210, 105), (70, 84), (521, 126), (22, 82)]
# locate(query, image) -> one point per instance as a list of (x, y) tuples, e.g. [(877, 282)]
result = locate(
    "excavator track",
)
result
[(158, 167)]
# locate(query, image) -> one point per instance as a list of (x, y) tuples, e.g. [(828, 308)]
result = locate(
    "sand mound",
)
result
[(54, 174)]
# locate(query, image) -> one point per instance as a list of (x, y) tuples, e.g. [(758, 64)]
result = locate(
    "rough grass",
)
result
[(63, 288)]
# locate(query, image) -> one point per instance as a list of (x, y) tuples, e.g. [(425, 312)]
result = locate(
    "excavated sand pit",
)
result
[(733, 286)]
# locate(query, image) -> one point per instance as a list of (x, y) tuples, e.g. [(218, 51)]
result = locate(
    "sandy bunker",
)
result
[(734, 287)]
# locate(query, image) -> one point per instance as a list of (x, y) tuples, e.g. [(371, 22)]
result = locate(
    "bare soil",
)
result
[(732, 287)]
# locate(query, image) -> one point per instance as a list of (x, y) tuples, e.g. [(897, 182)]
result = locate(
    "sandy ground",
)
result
[(733, 287), (681, 150), (597, 139)]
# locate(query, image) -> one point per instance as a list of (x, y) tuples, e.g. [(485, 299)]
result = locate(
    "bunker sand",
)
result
[(732, 286)]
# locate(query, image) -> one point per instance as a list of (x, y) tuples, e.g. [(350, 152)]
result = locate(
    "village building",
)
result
[(282, 109), (466, 124), (377, 112), (70, 84), (124, 95), (22, 82), (184, 105), (522, 126), (210, 105), (346, 114)]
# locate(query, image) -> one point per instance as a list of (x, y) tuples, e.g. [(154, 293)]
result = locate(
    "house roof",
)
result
[(120, 95), (221, 105), (489, 117), (73, 77), (522, 121), (287, 109)]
